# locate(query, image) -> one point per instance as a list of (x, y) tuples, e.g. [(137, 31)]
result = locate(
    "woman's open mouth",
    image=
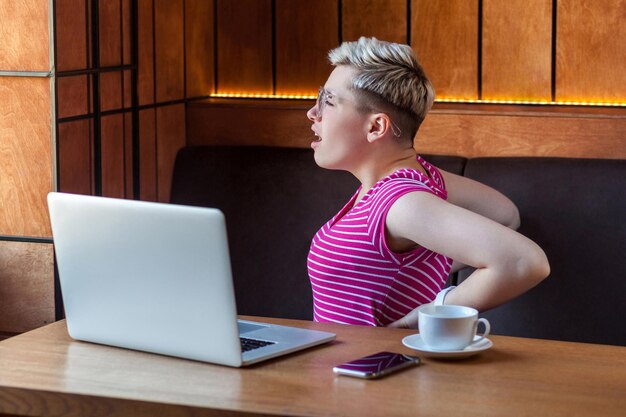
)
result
[(317, 140)]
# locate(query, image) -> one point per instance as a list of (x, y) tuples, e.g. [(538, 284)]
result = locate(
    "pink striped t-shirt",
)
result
[(355, 277)]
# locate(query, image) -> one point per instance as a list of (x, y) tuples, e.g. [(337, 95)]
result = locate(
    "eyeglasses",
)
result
[(322, 99), (322, 96)]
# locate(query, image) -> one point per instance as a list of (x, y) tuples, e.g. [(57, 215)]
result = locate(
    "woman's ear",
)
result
[(378, 127)]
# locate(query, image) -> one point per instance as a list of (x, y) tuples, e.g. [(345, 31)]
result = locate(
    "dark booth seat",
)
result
[(275, 199), (575, 209)]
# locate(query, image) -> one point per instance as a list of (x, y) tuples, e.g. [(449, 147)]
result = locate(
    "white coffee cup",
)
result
[(450, 327)]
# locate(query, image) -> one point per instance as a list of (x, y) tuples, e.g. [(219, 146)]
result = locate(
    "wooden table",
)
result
[(45, 373)]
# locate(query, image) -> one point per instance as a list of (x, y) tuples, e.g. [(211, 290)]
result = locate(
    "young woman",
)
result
[(392, 246)]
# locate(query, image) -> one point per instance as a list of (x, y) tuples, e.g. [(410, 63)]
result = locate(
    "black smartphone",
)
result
[(376, 365)]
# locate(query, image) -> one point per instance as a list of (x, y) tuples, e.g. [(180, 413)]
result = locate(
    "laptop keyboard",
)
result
[(251, 344)]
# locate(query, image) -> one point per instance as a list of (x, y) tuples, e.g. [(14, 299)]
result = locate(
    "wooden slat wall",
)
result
[(71, 33), (127, 29), (174, 63), (244, 46), (444, 34), (110, 33), (302, 43), (148, 155), (113, 166), (471, 49), (591, 50), (517, 49), (383, 19), (145, 55), (111, 90), (169, 50), (128, 156), (169, 139), (73, 143), (73, 96), (169, 76), (199, 38), (76, 94)]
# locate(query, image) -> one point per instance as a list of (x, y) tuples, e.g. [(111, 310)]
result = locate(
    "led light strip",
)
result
[(440, 100), (270, 96), (531, 102)]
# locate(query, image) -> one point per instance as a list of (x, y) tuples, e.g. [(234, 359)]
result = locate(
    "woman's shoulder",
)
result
[(409, 179), (432, 171)]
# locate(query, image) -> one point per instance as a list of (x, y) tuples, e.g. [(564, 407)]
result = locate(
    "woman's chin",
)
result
[(324, 162), (319, 159)]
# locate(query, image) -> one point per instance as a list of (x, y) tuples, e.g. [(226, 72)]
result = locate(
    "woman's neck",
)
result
[(380, 166)]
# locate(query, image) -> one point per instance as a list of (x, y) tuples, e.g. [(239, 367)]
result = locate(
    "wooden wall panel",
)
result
[(145, 54), (169, 50), (127, 35), (128, 155), (473, 133), (75, 157), (274, 123), (128, 91), (383, 19), (72, 96), (26, 168), (110, 27), (26, 286), (464, 130), (91, 99), (444, 34), (170, 134), (302, 44), (71, 37), (110, 90), (244, 46), (199, 47), (147, 155), (591, 50), (24, 35), (90, 6), (113, 162), (517, 50)]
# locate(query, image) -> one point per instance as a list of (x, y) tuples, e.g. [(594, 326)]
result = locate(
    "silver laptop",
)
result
[(157, 278)]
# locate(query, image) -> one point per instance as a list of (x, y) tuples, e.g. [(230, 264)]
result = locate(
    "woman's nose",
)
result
[(312, 114)]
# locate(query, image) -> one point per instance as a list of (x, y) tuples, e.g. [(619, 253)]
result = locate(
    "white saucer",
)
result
[(416, 343)]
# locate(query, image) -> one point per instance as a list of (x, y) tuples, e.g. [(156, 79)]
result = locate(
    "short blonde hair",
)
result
[(389, 79)]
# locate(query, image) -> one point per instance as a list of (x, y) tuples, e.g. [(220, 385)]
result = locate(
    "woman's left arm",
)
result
[(480, 199), (507, 263)]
